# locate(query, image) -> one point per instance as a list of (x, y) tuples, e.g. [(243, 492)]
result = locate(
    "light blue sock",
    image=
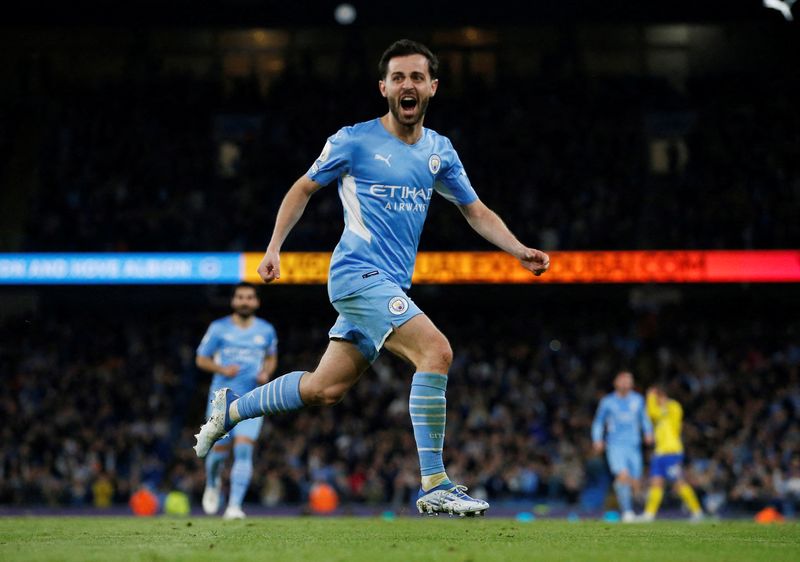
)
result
[(624, 496), (241, 472), (428, 408), (279, 395), (214, 462)]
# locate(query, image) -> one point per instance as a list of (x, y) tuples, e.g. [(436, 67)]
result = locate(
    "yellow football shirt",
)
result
[(666, 425)]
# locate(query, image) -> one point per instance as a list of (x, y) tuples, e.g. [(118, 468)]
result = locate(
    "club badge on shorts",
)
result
[(398, 305)]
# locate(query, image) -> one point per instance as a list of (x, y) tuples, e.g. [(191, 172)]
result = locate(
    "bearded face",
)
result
[(245, 302), (408, 88)]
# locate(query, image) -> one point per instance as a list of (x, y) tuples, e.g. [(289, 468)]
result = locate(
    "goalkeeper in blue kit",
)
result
[(388, 171)]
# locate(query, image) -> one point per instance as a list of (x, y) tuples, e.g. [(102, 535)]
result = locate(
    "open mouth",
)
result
[(408, 103)]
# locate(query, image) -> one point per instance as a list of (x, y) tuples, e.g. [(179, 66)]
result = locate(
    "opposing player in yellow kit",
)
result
[(667, 463)]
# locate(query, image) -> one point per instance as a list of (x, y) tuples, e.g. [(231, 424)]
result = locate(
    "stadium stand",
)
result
[(93, 402)]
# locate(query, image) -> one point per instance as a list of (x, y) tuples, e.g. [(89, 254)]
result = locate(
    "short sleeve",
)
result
[(210, 343), (334, 160), (453, 183)]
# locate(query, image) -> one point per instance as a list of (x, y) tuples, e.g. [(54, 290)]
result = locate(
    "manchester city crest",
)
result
[(434, 163), (398, 305)]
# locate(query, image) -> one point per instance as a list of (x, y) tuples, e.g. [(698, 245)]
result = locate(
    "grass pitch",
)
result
[(374, 539)]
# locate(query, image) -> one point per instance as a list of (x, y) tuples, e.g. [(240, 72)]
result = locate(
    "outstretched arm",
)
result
[(290, 211), (486, 223)]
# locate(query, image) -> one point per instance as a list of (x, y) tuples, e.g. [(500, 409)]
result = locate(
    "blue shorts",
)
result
[(250, 429), (669, 467), (367, 317), (624, 458)]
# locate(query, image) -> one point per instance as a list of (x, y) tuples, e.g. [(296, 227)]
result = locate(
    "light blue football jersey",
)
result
[(623, 419), (230, 344), (386, 188)]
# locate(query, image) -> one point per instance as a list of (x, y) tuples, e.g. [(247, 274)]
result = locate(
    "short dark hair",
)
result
[(244, 285), (404, 47)]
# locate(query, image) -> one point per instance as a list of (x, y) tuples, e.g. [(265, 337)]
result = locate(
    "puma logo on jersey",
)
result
[(384, 159)]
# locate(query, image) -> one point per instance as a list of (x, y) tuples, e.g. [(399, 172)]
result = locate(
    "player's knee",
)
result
[(446, 355), (439, 356)]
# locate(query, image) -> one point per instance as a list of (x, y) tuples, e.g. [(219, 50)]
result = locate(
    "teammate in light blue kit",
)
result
[(623, 417), (387, 170), (242, 352)]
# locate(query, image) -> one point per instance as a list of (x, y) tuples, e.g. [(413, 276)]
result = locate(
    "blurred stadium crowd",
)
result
[(178, 163), (91, 419)]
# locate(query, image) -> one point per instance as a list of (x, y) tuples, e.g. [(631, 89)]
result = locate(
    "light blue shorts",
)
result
[(624, 458), (250, 429), (367, 317)]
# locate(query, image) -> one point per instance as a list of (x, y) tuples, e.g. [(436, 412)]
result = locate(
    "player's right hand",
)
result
[(270, 267), (229, 370), (598, 447)]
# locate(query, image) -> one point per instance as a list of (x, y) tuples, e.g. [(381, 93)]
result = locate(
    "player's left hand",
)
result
[(262, 377), (535, 261), (648, 440), (270, 267)]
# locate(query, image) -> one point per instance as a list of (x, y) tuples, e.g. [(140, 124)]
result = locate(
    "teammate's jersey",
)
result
[(230, 344), (667, 425), (386, 187), (623, 419)]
